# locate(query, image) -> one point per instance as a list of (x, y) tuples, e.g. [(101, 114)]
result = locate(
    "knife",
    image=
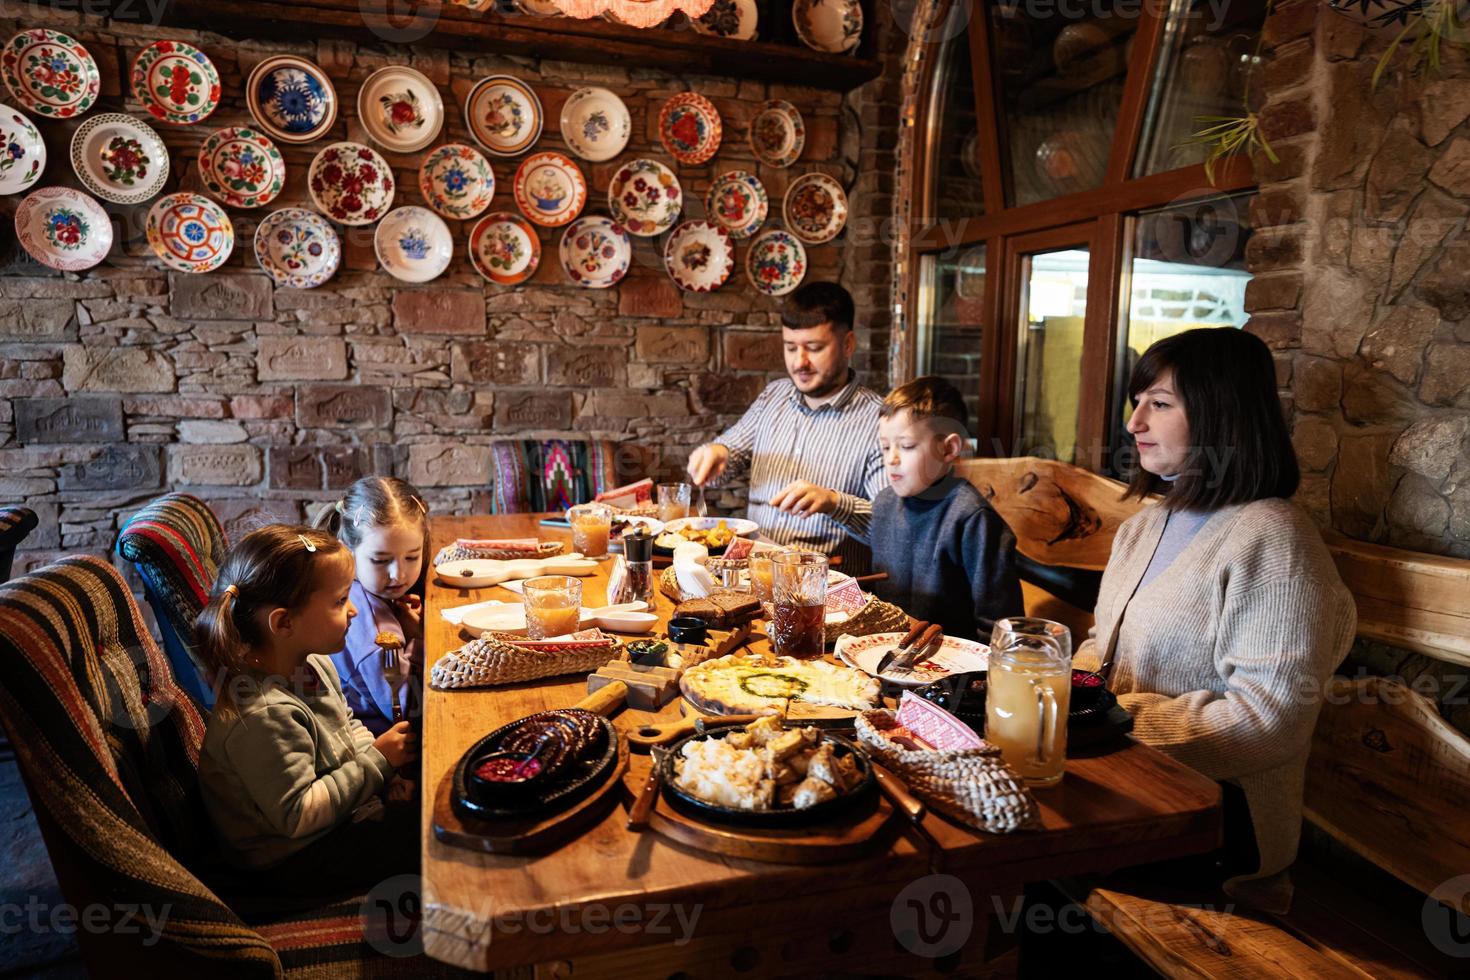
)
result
[(904, 664), (648, 796), (898, 794), (903, 646)]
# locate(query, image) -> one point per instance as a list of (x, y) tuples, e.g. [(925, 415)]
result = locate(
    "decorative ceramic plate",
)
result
[(776, 263), (503, 115), (292, 99), (50, 74), (176, 82), (504, 248), (63, 228), (833, 26), (729, 18), (815, 208), (241, 167), (549, 189), (22, 151), (119, 159), (689, 127), (400, 109), (954, 656), (777, 133), (595, 124), (645, 197), (457, 181), (699, 256), (351, 183), (737, 202), (297, 248), (413, 244), (595, 252), (190, 232)]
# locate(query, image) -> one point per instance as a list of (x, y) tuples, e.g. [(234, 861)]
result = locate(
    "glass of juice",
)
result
[(591, 524), (673, 501), (553, 605), (798, 604), (1028, 695), (761, 570)]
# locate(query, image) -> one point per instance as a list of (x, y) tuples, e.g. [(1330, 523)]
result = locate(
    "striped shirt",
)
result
[(781, 438)]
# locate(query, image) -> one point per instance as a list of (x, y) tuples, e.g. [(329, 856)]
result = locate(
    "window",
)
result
[(954, 291)]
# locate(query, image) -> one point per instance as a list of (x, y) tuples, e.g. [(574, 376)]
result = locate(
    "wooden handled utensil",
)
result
[(909, 639), (931, 639), (648, 796), (899, 794), (645, 737), (606, 700)]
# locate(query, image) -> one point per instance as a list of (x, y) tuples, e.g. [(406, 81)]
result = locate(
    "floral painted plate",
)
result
[(400, 109), (595, 124), (689, 127), (776, 263), (833, 26), (413, 244), (549, 189), (955, 655), (63, 228), (729, 18), (737, 202), (537, 8), (241, 167), (699, 256), (777, 133), (190, 233), (457, 181), (350, 183), (50, 74), (504, 248), (297, 248), (815, 208), (645, 198), (503, 115), (595, 252), (119, 159), (22, 152), (291, 99), (176, 82)]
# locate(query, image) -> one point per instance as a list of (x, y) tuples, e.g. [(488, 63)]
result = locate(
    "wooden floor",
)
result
[(28, 877)]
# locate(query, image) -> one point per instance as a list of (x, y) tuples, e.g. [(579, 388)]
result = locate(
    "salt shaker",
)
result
[(638, 552)]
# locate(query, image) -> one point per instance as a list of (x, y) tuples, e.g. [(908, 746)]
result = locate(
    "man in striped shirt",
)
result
[(810, 443)]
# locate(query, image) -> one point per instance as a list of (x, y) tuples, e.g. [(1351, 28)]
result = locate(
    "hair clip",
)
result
[(357, 518), (422, 509), (338, 506), (309, 546)]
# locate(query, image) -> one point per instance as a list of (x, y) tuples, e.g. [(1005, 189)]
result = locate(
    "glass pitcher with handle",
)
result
[(1028, 695)]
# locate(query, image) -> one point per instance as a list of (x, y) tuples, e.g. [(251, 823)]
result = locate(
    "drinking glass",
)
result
[(1028, 696), (673, 501), (591, 524), (798, 604), (553, 605), (761, 570)]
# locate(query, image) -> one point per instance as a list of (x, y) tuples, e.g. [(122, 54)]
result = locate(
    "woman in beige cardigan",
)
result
[(1221, 615)]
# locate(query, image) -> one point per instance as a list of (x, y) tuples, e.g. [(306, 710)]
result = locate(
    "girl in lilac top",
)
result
[(384, 522)]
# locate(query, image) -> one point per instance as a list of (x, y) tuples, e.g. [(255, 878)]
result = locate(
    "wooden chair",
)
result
[(538, 475), (15, 524)]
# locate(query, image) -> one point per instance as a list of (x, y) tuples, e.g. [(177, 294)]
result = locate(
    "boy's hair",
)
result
[(815, 303), (929, 397), (276, 566), (375, 501), (1225, 379)]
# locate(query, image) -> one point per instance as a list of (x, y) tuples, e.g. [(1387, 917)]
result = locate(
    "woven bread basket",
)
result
[(491, 659), (876, 616)]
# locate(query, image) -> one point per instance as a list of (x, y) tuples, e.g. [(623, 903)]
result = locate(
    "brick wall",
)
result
[(128, 380)]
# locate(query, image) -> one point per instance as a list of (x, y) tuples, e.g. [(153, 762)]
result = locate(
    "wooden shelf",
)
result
[(593, 41)]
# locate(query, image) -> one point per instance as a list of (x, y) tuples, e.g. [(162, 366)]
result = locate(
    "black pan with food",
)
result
[(575, 752)]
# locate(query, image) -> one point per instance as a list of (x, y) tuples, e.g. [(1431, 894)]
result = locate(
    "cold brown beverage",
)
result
[(798, 631)]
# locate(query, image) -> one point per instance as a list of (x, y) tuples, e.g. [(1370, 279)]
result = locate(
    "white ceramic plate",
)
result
[(413, 244), (777, 133), (63, 228), (119, 159), (297, 248), (351, 183), (503, 115), (504, 248), (834, 26), (49, 73), (595, 252), (776, 263), (736, 19), (737, 201), (699, 256), (457, 181), (645, 198), (190, 233), (739, 525), (241, 167), (22, 152), (176, 82), (400, 109), (595, 124), (815, 208), (955, 656), (549, 189)]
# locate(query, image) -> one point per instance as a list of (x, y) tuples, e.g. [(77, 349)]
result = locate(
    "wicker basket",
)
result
[(493, 659), (972, 785), (454, 552), (876, 616)]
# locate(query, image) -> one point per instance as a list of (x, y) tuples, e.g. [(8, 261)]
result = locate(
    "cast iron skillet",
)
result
[(784, 817), (561, 791)]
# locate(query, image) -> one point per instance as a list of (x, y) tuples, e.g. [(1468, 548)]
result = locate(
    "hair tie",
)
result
[(309, 546), (231, 591), (338, 506)]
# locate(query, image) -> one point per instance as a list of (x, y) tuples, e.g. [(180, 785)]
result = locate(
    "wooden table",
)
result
[(608, 902)]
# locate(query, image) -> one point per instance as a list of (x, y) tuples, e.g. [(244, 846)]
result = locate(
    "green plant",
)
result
[(1229, 135), (1427, 26)]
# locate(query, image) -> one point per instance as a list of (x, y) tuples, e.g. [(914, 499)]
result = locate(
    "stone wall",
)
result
[(128, 380)]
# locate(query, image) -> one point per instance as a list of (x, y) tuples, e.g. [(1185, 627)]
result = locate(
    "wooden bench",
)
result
[(1388, 782)]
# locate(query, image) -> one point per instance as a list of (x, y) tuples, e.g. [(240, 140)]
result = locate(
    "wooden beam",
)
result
[(989, 119), (1411, 600), (1107, 312), (1146, 56)]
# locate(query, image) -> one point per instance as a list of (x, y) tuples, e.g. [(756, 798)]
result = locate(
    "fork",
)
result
[(700, 507)]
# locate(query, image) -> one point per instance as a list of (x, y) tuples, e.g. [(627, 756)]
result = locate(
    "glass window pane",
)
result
[(1188, 271), (954, 136), (952, 322), (1061, 82), (1054, 307), (1208, 60)]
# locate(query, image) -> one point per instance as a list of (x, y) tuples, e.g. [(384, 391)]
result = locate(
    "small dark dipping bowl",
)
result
[(687, 629)]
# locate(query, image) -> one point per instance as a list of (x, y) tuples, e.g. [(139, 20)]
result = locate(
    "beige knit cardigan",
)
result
[(1223, 657)]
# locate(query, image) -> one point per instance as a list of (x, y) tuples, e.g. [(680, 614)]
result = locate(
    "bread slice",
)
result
[(722, 609), (702, 609)]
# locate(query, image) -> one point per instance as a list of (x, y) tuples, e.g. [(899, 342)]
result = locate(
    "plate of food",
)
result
[(764, 774), (624, 523), (739, 525), (715, 533), (540, 763), (953, 656), (741, 684)]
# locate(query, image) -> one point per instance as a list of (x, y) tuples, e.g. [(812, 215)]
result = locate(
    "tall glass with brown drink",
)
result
[(798, 604)]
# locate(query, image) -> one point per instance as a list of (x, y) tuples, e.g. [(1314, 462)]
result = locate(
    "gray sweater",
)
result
[(286, 768)]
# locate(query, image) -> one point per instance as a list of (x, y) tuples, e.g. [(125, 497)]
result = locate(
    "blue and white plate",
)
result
[(413, 244), (292, 99), (297, 248)]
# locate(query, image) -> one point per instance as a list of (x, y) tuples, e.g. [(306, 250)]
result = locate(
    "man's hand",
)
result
[(707, 463), (805, 499)]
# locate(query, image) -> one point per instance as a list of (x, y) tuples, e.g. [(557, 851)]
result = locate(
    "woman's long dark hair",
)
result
[(1240, 449)]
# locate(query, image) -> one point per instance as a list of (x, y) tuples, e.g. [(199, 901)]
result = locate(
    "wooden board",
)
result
[(529, 836), (1411, 600)]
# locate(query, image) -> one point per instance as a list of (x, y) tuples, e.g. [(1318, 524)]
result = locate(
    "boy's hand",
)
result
[(707, 462), (399, 745), (805, 499)]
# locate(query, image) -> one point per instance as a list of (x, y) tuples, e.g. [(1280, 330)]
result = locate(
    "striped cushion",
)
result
[(15, 524), (540, 475)]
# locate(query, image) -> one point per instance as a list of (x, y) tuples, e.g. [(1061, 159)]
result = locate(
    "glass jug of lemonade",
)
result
[(1028, 695)]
